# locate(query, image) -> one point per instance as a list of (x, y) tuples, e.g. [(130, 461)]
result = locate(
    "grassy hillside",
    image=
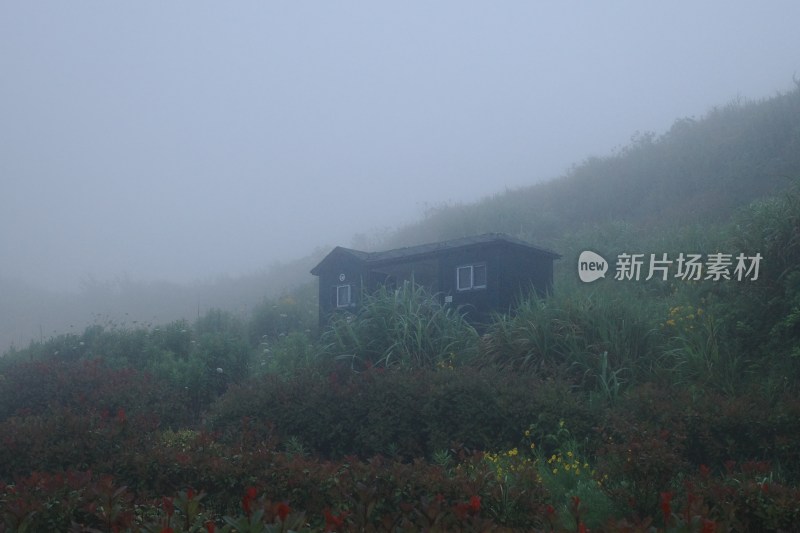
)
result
[(700, 171), (662, 405)]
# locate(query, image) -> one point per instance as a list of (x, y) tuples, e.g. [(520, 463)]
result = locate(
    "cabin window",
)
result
[(343, 296), (471, 277)]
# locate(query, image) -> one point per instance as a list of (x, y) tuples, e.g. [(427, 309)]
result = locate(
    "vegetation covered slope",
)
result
[(701, 170)]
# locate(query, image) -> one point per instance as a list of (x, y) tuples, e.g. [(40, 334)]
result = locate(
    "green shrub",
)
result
[(287, 354), (763, 316), (78, 414), (642, 448), (36, 388), (406, 328), (601, 338), (294, 312), (406, 414)]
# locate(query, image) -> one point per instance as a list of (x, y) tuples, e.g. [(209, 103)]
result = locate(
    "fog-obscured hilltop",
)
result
[(701, 170)]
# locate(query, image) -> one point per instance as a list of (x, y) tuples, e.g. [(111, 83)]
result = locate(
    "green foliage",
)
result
[(201, 359), (294, 312), (575, 488), (274, 432), (763, 315), (37, 388), (407, 328), (403, 413), (287, 354), (641, 458), (747, 493), (702, 355), (601, 337)]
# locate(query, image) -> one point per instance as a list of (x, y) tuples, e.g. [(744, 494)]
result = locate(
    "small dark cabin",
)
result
[(484, 273)]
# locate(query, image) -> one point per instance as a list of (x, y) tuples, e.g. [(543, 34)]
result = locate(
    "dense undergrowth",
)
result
[(661, 405)]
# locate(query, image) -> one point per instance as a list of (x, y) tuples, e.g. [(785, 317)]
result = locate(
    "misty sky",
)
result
[(181, 140)]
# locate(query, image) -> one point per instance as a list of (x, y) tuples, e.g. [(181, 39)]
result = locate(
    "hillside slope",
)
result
[(701, 170)]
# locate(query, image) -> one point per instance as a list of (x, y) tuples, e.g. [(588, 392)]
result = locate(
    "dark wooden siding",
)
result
[(424, 272), (523, 270), (353, 271), (512, 271), (476, 303)]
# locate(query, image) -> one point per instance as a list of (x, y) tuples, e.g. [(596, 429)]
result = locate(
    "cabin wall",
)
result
[(423, 272), (522, 271), (511, 272), (477, 304), (339, 270)]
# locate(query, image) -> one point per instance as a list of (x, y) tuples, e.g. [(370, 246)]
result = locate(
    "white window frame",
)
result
[(471, 269), (349, 299)]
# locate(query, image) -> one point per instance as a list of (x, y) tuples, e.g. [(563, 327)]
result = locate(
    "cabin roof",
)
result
[(423, 250)]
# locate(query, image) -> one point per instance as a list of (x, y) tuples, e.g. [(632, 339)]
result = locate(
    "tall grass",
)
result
[(603, 337), (702, 356), (406, 328)]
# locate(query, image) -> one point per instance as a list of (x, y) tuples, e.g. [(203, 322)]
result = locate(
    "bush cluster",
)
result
[(398, 413), (429, 441)]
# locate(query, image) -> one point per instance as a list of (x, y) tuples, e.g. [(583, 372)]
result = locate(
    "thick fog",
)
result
[(182, 140)]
